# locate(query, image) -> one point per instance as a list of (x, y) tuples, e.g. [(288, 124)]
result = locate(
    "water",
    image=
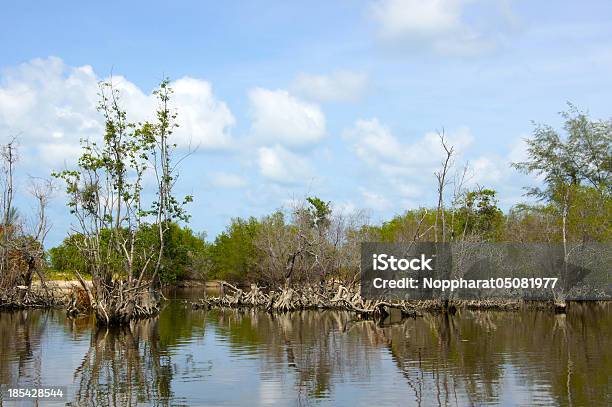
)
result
[(229, 358)]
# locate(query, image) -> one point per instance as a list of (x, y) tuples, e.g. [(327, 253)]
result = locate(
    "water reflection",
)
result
[(124, 366), (231, 357), (20, 334)]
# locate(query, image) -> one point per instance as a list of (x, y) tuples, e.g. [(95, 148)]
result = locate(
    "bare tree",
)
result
[(315, 246), (41, 190), (21, 250), (9, 157), (441, 176)]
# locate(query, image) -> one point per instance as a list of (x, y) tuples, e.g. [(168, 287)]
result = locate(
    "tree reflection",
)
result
[(20, 352), (473, 357), (123, 367)]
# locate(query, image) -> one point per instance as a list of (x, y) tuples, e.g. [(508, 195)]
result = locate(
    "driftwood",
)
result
[(312, 297)]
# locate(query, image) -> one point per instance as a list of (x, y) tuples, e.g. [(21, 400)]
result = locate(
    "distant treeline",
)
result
[(312, 242)]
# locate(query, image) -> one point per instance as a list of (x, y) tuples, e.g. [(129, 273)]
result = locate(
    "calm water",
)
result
[(229, 358)]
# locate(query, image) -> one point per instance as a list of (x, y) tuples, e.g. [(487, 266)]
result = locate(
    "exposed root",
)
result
[(289, 299), (116, 303), (24, 297), (343, 298), (120, 303), (78, 302)]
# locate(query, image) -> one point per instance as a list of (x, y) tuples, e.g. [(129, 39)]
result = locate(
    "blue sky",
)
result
[(337, 99)]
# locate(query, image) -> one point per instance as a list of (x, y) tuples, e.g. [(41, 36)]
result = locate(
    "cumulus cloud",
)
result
[(403, 169), (51, 106), (204, 121), (48, 104), (496, 170), (439, 24), (339, 86), (281, 118), (345, 207), (374, 143), (486, 170), (281, 165)]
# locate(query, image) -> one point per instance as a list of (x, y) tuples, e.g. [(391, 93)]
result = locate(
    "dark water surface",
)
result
[(232, 358)]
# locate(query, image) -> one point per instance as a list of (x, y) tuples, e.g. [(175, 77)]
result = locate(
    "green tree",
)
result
[(67, 257), (184, 256), (106, 196), (576, 168), (479, 216), (233, 253), (320, 212)]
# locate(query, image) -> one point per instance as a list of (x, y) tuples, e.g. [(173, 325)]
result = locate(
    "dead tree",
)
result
[(442, 182), (8, 228), (22, 248)]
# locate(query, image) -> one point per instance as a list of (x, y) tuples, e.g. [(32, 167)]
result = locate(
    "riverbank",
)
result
[(62, 288), (338, 297), (60, 292)]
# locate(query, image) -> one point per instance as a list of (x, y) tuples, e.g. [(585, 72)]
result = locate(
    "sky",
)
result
[(283, 99)]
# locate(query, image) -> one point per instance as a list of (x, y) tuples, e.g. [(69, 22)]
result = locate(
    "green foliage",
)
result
[(577, 170), (589, 218), (319, 211), (590, 215), (403, 228), (67, 257), (479, 216), (184, 254), (277, 248), (233, 254), (582, 157), (183, 251)]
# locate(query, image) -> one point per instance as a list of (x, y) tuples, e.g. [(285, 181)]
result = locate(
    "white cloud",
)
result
[(439, 24), (487, 170), (280, 118), (204, 121), (51, 106), (374, 143), (339, 86), (56, 155), (518, 150), (404, 170), (45, 101), (227, 180), (374, 200), (496, 170), (281, 165), (418, 18), (407, 190)]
